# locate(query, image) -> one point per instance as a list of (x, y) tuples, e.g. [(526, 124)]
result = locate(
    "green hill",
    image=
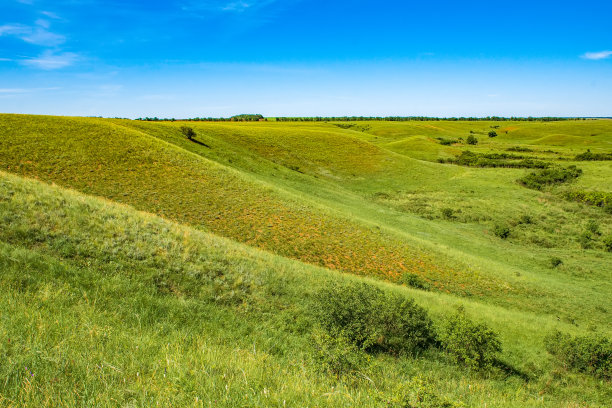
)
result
[(104, 303)]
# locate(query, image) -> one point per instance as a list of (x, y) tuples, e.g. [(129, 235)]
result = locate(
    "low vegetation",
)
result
[(548, 177), (374, 320), (473, 344), (303, 263), (591, 354), (468, 158), (588, 155)]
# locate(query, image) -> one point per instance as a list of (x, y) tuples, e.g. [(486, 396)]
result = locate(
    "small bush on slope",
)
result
[(538, 181), (589, 354), (472, 344), (374, 320), (417, 393)]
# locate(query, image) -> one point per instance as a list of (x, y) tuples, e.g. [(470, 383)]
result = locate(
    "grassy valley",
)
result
[(140, 267)]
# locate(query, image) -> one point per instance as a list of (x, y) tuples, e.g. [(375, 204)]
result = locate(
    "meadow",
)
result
[(140, 267)]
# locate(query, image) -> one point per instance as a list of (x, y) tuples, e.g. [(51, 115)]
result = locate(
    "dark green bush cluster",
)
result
[(555, 261), (607, 242), (588, 155), (355, 319), (597, 198), (472, 344), (247, 117), (374, 320), (492, 133), (447, 213), (447, 142), (188, 132), (590, 234), (415, 281), (519, 149), (557, 175), (506, 160), (590, 354), (471, 140), (501, 231)]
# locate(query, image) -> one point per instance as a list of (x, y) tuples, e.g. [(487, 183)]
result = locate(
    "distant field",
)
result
[(389, 202)]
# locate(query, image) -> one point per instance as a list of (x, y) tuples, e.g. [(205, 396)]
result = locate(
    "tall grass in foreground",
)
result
[(103, 306)]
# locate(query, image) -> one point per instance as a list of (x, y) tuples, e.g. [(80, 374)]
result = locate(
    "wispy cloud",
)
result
[(50, 14), (37, 35), (49, 60), (238, 6), (597, 55)]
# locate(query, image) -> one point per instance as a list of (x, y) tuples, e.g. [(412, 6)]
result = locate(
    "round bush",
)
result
[(374, 320)]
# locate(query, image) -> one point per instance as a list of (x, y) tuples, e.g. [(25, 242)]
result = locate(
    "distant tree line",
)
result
[(236, 118), (418, 118), (258, 117)]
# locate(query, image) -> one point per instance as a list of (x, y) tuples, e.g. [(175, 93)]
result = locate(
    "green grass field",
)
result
[(142, 268)]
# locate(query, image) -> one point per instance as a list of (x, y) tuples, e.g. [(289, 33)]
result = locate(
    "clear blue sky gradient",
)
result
[(187, 58)]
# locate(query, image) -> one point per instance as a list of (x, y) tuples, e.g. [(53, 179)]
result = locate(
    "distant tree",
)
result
[(471, 139), (188, 132), (492, 133)]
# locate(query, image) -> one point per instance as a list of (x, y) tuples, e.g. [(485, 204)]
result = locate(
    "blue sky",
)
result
[(187, 58)]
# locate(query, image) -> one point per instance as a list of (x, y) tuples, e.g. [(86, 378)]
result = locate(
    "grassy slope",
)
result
[(404, 196), (103, 305), (366, 202)]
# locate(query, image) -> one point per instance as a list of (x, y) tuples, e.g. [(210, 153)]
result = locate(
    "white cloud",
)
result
[(597, 55), (33, 35), (48, 60), (237, 6), (14, 29), (50, 14), (42, 22)]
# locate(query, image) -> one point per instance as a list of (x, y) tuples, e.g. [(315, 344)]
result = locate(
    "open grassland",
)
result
[(376, 199), (103, 305)]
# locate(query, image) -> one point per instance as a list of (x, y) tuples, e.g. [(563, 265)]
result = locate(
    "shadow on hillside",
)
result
[(200, 143), (509, 370)]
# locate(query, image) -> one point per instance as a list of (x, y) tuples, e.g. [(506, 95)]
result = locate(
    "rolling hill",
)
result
[(191, 268)]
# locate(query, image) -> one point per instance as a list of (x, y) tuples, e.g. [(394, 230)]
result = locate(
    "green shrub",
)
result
[(501, 231), (472, 159), (585, 239), (471, 140), (374, 320), (593, 227), (525, 219), (417, 393), (607, 241), (188, 132), (590, 354), (472, 344), (492, 133), (447, 213), (545, 177), (446, 142), (554, 262), (596, 198), (519, 149), (588, 155), (336, 354), (415, 281)]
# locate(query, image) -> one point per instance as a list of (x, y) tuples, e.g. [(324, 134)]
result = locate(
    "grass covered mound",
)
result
[(103, 305)]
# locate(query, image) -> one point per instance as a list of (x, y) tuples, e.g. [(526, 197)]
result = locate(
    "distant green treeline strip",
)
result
[(257, 117)]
